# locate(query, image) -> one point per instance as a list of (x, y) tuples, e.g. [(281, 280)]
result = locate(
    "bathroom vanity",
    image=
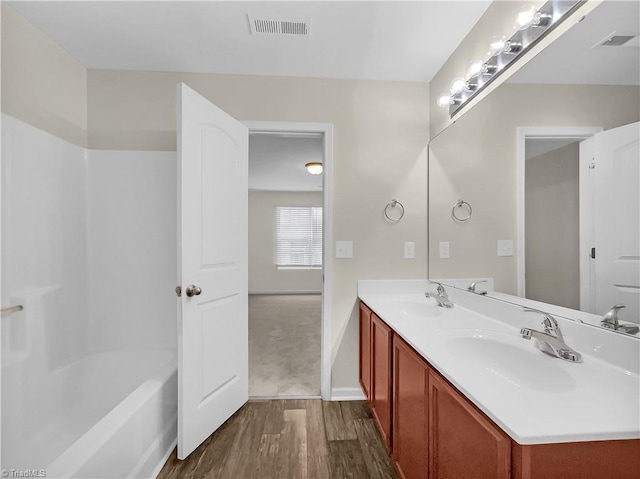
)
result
[(458, 392)]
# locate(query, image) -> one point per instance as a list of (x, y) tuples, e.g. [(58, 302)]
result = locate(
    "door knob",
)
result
[(193, 290)]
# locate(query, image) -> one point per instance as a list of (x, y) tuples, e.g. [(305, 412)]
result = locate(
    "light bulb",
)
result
[(475, 68), (496, 45), (524, 19), (444, 100), (314, 167), (458, 85)]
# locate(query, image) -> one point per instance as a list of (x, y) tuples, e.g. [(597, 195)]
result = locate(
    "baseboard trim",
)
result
[(295, 396), (285, 292), (347, 394), (164, 460)]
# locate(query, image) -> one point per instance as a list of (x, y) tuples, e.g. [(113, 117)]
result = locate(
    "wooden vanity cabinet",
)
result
[(437, 433), (410, 411), (462, 441), (365, 351), (381, 349)]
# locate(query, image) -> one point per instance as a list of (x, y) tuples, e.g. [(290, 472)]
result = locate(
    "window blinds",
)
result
[(298, 236)]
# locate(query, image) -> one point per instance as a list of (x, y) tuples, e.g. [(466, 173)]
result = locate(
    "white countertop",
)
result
[(533, 397)]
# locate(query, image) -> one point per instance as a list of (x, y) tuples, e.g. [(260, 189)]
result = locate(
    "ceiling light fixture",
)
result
[(314, 167), (531, 26)]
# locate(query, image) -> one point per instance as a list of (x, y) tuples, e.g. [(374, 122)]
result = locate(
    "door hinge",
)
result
[(593, 253), (592, 164), (178, 291)]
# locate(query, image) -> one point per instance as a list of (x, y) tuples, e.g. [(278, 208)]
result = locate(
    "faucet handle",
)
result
[(472, 286), (610, 319), (549, 322)]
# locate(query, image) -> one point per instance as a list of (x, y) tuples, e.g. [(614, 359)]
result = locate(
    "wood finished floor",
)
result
[(290, 439)]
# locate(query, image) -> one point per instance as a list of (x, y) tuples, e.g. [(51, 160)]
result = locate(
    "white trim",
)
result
[(158, 469), (522, 134), (587, 225), (280, 398), (276, 292), (326, 129), (347, 394)]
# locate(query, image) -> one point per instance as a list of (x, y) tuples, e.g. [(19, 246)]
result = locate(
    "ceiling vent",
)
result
[(614, 40), (281, 28)]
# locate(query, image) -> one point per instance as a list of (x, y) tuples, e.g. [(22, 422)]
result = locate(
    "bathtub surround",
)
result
[(71, 231), (284, 345)]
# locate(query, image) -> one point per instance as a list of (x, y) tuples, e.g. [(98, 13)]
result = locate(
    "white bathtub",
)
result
[(106, 415)]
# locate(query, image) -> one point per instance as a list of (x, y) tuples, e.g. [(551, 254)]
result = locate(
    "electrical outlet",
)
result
[(444, 249), (344, 249), (409, 250), (505, 247)]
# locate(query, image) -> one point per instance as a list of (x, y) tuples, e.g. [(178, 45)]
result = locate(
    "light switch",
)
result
[(505, 247), (344, 249), (444, 249), (409, 250)]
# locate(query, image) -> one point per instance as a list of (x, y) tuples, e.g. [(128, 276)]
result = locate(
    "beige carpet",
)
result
[(284, 345)]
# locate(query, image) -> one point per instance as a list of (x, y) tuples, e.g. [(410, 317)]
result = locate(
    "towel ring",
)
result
[(461, 204), (393, 204)]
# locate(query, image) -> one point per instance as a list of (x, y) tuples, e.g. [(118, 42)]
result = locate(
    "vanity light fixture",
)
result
[(314, 167), (531, 26)]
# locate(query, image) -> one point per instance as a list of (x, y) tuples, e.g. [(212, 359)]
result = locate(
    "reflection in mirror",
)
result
[(549, 161)]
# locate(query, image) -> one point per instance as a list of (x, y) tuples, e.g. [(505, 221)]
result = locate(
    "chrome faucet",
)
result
[(472, 287), (610, 321), (551, 341), (441, 297)]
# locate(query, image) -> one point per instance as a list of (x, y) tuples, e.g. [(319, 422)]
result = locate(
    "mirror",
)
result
[(548, 165)]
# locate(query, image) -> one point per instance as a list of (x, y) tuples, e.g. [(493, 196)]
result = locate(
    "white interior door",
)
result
[(212, 263), (617, 220)]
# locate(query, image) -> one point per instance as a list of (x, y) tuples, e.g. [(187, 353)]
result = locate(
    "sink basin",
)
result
[(492, 356)]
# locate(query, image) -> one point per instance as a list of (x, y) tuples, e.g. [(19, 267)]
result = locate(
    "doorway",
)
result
[(289, 275)]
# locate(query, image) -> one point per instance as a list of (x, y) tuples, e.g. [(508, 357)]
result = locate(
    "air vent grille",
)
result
[(617, 40), (271, 27), (614, 40)]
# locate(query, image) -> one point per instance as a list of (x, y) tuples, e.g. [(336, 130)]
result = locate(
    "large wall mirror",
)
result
[(549, 164)]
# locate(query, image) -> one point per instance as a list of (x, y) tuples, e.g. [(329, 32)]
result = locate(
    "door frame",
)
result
[(326, 129), (540, 133)]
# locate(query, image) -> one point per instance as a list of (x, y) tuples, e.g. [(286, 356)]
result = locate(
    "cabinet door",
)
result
[(410, 411), (463, 443), (381, 338), (365, 350)]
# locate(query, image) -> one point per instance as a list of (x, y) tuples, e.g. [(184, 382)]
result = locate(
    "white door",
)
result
[(616, 176), (212, 268)]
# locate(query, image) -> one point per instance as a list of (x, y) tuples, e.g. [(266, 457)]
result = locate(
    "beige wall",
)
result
[(552, 233), (264, 277), (41, 84), (380, 136), (474, 159)]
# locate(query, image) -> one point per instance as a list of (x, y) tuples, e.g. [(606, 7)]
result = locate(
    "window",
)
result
[(299, 236)]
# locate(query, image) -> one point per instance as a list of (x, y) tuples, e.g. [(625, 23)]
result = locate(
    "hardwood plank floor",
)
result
[(290, 439)]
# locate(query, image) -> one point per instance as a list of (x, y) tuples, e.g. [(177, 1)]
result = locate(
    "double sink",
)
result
[(535, 397)]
